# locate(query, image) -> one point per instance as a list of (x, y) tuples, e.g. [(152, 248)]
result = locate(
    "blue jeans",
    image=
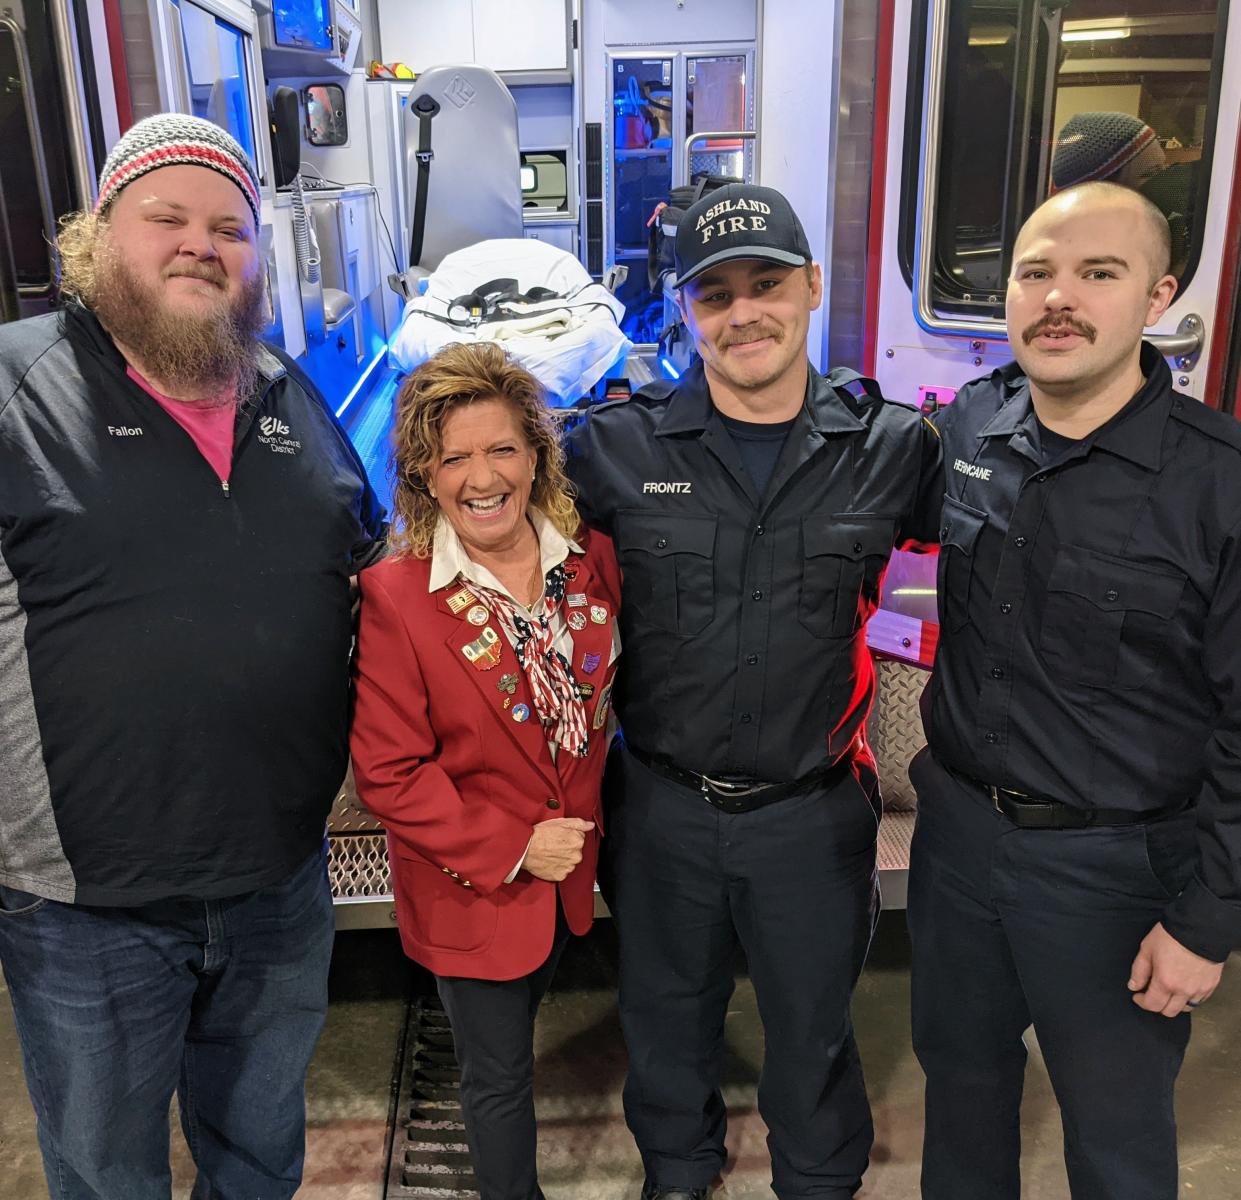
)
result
[(221, 1001)]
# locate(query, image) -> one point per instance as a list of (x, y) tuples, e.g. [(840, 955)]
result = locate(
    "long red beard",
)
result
[(209, 354)]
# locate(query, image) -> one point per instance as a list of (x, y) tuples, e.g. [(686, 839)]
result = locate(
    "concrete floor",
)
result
[(585, 1150)]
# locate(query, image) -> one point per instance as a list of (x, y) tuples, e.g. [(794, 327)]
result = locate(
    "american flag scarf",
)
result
[(547, 671)]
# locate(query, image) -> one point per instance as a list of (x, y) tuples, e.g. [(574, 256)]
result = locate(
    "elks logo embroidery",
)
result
[(274, 434), (719, 221)]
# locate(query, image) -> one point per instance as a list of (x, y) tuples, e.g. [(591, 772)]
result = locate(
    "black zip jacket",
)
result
[(173, 653)]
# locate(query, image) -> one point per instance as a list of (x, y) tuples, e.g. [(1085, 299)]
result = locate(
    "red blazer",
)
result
[(458, 782)]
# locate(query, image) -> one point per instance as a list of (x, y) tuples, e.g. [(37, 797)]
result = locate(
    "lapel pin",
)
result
[(460, 599), (484, 652), (520, 713), (477, 615), (577, 621), (508, 683), (590, 663), (598, 614), (601, 709)]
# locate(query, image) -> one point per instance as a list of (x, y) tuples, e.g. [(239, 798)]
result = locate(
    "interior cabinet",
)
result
[(531, 36)]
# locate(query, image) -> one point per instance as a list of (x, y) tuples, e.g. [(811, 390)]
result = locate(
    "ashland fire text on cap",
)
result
[(739, 220)]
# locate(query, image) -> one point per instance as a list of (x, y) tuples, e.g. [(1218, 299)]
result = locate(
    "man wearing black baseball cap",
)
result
[(754, 504)]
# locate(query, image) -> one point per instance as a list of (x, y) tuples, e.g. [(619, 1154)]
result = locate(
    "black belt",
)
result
[(740, 795), (1040, 812)]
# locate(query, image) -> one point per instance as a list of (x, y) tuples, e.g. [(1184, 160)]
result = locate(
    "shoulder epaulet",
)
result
[(1008, 378), (655, 392), (657, 389), (1220, 427), (606, 405)]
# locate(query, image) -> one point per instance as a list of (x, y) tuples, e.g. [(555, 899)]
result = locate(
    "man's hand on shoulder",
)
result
[(1169, 978)]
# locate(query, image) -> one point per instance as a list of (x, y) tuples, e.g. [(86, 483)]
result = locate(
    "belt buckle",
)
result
[(726, 790), (1035, 813)]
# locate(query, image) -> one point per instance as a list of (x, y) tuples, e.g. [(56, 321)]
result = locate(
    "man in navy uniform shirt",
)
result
[(1077, 858), (754, 506)]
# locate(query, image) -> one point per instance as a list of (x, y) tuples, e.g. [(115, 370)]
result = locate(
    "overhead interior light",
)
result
[(1094, 35), (991, 35)]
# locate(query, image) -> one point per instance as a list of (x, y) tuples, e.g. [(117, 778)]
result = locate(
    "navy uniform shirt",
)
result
[(742, 615), (1090, 605)]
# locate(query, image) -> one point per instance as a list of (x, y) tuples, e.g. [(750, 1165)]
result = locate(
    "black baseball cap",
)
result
[(739, 220)]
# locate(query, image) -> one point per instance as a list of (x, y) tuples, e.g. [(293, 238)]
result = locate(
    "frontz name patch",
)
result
[(664, 489)]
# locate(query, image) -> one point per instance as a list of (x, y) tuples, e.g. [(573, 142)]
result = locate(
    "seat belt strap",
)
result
[(426, 108)]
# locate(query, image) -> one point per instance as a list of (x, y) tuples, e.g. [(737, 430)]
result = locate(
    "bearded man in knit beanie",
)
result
[(180, 516), (1111, 146)]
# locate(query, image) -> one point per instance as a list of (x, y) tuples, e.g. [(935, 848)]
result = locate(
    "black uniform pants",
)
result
[(1013, 927), (795, 884), (493, 1032)]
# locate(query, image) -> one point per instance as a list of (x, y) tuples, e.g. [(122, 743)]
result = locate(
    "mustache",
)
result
[(750, 333), (1059, 323), (198, 271)]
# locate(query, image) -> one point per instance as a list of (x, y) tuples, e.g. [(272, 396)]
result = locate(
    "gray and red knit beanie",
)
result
[(1095, 145), (171, 139)]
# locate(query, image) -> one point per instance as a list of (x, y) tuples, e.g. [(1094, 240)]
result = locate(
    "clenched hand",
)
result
[(556, 847)]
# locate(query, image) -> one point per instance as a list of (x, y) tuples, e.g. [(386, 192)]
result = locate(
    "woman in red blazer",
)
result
[(485, 657)]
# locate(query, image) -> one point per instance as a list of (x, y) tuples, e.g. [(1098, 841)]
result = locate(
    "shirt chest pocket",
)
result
[(960, 527), (843, 557), (668, 563), (1105, 619)]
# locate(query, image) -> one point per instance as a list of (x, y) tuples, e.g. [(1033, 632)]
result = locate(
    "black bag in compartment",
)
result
[(662, 226)]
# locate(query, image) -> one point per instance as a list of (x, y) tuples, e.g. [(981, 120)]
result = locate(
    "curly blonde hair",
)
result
[(463, 374), (78, 243)]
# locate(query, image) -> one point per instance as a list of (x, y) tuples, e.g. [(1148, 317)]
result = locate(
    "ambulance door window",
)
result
[(1039, 96), (717, 99), (642, 150), (1135, 102), (642, 146), (218, 79)]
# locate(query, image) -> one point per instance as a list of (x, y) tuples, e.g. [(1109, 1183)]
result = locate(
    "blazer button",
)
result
[(553, 803)]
